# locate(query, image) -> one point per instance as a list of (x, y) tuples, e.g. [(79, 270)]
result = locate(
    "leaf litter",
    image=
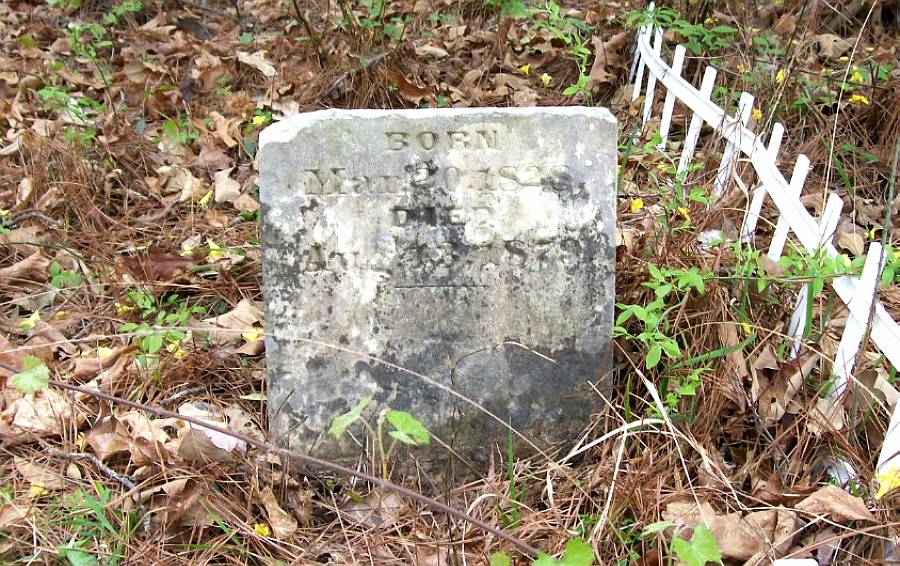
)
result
[(158, 194)]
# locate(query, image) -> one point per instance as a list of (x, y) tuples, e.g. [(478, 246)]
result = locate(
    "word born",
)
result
[(453, 139)]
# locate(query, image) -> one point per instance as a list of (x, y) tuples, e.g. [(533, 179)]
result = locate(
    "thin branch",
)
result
[(305, 459)]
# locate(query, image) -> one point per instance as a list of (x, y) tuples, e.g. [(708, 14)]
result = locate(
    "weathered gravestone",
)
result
[(474, 246)]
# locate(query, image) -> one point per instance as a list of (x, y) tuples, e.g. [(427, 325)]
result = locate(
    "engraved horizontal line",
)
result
[(438, 286)]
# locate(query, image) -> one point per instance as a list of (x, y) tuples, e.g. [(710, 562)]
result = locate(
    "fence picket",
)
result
[(845, 358), (669, 105), (636, 92), (732, 150), (797, 326), (783, 226), (690, 140), (651, 80), (759, 194)]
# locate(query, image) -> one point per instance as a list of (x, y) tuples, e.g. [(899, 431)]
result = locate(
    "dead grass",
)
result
[(110, 212)]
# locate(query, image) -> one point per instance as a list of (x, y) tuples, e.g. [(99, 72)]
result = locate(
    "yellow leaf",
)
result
[(104, 352), (36, 490), (888, 481), (546, 79), (779, 76), (637, 204), (31, 321), (4, 213), (843, 59), (122, 309), (258, 120), (204, 200), (683, 210), (525, 69), (215, 251), (757, 114), (252, 335), (856, 76), (262, 530), (858, 99)]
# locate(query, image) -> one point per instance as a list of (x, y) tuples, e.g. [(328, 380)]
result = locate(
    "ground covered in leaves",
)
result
[(129, 265)]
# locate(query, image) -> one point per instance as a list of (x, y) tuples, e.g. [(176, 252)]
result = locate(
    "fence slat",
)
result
[(651, 80), (797, 326), (732, 151), (845, 358), (783, 226), (690, 141), (669, 105), (636, 92), (759, 194)]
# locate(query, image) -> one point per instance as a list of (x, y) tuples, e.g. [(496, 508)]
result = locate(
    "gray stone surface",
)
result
[(473, 246)]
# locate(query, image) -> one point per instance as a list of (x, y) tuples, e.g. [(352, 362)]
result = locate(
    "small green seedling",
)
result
[(406, 429)]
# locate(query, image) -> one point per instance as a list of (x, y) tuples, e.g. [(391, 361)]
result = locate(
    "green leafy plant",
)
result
[(698, 38), (61, 278), (34, 376), (575, 34), (159, 325), (577, 553), (670, 287), (700, 550), (406, 429), (508, 8)]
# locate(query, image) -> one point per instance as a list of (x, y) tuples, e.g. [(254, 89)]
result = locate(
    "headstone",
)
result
[(474, 247)]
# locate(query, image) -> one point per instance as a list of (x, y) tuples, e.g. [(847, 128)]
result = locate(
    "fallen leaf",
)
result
[(829, 45), (258, 61), (282, 523), (783, 386), (838, 504), (37, 474), (227, 189), (226, 329), (159, 264), (109, 437), (606, 58)]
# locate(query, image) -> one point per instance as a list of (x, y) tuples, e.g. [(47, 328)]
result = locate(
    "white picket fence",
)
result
[(815, 235)]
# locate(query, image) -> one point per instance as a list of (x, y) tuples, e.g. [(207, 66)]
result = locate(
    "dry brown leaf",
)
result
[(32, 268), (226, 329), (159, 264), (853, 241), (179, 180), (376, 509), (11, 356), (45, 412), (405, 88), (258, 61), (784, 385), (282, 523), (38, 474), (246, 203), (204, 445), (429, 50), (607, 58), (23, 241), (89, 366), (839, 505), (736, 364), (13, 517), (109, 437), (829, 45), (227, 130), (827, 416), (226, 188), (737, 539)]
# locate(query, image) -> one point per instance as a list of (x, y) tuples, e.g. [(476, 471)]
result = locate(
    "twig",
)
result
[(123, 479), (182, 394), (126, 481), (309, 31), (366, 63), (305, 459)]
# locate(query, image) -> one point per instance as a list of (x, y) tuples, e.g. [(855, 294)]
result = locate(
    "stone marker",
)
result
[(473, 246)]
